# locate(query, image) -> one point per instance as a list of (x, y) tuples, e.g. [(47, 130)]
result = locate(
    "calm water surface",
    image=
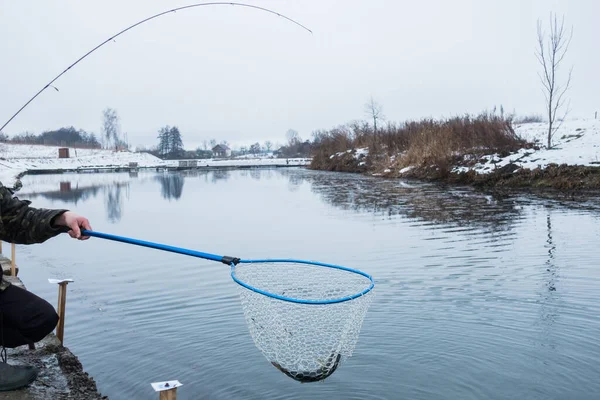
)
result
[(476, 297)]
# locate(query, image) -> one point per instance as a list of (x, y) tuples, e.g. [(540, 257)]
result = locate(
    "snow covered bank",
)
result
[(571, 163), (16, 159), (575, 143)]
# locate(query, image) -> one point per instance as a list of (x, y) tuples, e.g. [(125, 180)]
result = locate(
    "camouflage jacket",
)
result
[(22, 224)]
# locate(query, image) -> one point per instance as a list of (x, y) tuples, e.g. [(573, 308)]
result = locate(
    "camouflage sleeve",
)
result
[(22, 224)]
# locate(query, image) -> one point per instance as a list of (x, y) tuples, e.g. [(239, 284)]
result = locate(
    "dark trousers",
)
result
[(24, 317)]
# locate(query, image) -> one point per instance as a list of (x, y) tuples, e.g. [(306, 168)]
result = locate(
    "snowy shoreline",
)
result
[(575, 143), (18, 159), (571, 163)]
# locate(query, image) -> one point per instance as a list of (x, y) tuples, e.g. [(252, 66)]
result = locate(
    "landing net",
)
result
[(304, 317)]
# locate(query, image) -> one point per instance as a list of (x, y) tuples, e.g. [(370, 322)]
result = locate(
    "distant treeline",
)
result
[(68, 136)]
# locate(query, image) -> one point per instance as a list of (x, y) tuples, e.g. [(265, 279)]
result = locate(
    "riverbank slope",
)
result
[(572, 163)]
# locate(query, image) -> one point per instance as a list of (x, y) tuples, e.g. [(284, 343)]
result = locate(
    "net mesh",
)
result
[(307, 342)]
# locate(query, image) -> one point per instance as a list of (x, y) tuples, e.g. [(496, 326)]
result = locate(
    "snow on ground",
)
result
[(262, 155), (576, 142), (358, 153), (240, 162), (18, 158)]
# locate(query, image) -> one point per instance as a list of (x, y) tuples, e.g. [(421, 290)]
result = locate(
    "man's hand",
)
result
[(75, 223)]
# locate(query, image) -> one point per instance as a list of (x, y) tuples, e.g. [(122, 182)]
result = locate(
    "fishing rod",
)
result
[(49, 84)]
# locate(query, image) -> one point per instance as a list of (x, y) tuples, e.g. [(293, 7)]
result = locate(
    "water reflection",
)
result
[(427, 202), (390, 198), (256, 174), (113, 198), (295, 181), (67, 193), (549, 297), (220, 175), (114, 190), (171, 185), (113, 193), (551, 267)]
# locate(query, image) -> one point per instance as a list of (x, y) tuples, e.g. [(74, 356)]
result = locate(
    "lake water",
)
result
[(476, 296)]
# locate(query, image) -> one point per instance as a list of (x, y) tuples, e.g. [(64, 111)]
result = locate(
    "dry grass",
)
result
[(420, 143)]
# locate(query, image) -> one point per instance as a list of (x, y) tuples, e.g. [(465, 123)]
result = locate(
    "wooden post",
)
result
[(61, 306), (170, 394), (12, 261), (167, 390), (62, 301), (0, 246)]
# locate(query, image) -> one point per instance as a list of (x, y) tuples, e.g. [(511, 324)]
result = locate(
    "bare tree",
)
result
[(550, 54), (374, 110), (268, 145), (293, 137), (110, 127)]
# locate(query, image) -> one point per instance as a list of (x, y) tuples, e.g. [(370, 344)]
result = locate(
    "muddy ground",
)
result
[(61, 374), (556, 180)]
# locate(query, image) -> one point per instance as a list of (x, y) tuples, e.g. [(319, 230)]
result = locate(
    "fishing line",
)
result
[(139, 23)]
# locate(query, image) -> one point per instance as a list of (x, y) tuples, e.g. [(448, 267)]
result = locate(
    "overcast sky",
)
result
[(243, 75)]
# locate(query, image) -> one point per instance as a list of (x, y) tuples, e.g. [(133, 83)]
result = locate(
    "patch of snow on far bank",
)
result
[(361, 152), (576, 142)]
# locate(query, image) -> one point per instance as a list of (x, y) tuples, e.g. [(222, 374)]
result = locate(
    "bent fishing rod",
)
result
[(49, 84)]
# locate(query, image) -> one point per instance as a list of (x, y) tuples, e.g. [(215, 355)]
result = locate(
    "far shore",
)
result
[(570, 166), (17, 161)]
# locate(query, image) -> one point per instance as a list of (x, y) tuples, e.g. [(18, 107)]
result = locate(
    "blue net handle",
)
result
[(233, 261)]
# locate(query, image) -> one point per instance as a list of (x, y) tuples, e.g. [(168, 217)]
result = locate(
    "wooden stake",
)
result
[(12, 261), (0, 246), (170, 394), (62, 301)]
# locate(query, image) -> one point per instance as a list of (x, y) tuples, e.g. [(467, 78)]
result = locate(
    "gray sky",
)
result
[(242, 75)]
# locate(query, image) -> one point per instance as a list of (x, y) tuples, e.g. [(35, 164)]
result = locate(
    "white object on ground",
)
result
[(52, 280), (166, 385)]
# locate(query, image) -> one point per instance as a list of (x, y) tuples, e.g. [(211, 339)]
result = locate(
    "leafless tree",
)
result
[(110, 126), (268, 145), (374, 110), (293, 137), (550, 53)]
